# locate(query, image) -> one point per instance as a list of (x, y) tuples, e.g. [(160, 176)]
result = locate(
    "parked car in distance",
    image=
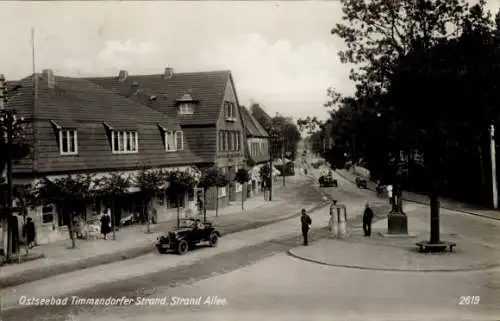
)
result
[(185, 237), (361, 182), (327, 181)]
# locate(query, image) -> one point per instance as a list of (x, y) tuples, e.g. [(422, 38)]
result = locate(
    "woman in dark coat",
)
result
[(29, 232), (105, 228)]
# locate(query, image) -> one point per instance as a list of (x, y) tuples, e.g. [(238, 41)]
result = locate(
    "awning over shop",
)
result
[(126, 175)]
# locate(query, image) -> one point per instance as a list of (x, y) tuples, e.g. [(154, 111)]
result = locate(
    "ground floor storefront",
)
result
[(51, 223)]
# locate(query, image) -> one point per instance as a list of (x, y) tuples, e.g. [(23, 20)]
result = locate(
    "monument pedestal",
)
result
[(397, 226), (397, 223)]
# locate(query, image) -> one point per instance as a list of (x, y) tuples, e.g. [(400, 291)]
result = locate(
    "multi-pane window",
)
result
[(124, 141), (179, 140), (174, 140), (68, 142), (237, 140), (226, 141), (230, 110), (229, 140), (186, 109)]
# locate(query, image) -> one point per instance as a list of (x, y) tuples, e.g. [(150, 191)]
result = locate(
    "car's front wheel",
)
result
[(183, 247), (213, 240)]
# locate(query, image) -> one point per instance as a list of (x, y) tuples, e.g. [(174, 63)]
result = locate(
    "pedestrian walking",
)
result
[(367, 220), (305, 221), (105, 228), (29, 232)]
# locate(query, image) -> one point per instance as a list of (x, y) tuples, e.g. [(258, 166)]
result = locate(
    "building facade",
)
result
[(257, 149), (75, 126), (207, 107)]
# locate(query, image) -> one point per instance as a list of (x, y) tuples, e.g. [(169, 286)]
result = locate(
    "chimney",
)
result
[(169, 73), (122, 76), (49, 75)]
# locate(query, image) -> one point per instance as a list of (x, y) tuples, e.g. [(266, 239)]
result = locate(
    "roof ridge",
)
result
[(160, 74)]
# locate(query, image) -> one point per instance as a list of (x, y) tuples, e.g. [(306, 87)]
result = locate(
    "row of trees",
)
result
[(283, 132), (427, 75), (73, 194)]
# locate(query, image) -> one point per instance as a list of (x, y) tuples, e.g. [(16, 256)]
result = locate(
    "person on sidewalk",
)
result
[(305, 221), (105, 228), (367, 220), (29, 232)]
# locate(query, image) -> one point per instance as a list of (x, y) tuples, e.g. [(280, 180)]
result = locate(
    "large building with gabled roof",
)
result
[(207, 108)]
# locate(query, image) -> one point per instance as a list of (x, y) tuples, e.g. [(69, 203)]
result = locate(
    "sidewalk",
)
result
[(399, 254), (423, 199), (132, 241), (152, 264)]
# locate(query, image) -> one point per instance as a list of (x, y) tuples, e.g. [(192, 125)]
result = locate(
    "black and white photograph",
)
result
[(250, 160)]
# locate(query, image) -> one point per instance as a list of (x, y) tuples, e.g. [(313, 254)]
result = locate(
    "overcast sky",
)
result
[(281, 54)]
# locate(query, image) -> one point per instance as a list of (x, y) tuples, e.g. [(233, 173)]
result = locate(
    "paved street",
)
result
[(252, 272)]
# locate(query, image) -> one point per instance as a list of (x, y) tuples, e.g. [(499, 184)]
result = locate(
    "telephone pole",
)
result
[(283, 158), (493, 167)]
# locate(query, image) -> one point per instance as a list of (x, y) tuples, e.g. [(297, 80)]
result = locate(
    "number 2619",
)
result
[(469, 300)]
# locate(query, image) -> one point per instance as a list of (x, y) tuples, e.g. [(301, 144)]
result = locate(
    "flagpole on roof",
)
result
[(35, 94), (33, 59)]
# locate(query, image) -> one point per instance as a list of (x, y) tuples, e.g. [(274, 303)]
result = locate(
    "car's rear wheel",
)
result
[(213, 240), (162, 250), (183, 247)]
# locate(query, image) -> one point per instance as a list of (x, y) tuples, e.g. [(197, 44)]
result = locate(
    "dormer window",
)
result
[(186, 104), (124, 142), (229, 111), (174, 140), (68, 142), (67, 139), (186, 109)]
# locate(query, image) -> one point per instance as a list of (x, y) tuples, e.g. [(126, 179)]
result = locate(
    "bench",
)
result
[(425, 246)]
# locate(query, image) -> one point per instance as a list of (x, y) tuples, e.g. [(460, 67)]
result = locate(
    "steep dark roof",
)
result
[(78, 103), (252, 127), (81, 100), (207, 88)]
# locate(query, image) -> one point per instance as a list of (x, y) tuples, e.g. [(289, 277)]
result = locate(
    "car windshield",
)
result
[(187, 223)]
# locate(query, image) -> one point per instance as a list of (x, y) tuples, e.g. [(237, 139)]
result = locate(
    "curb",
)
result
[(424, 203), (292, 253), (36, 274)]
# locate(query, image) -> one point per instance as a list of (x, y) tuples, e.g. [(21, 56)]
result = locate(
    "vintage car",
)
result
[(361, 182), (187, 236), (327, 181)]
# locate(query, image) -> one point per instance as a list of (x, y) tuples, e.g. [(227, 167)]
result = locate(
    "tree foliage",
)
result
[(150, 181), (180, 182), (309, 124), (282, 130), (426, 85), (209, 177), (242, 176)]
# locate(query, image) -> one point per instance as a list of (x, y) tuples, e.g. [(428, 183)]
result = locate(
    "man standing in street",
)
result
[(305, 221), (367, 220)]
